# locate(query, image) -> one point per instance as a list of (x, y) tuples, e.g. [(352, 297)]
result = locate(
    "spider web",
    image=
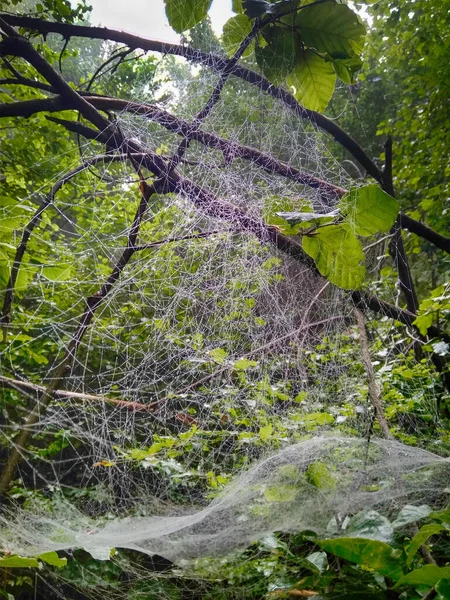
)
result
[(215, 372)]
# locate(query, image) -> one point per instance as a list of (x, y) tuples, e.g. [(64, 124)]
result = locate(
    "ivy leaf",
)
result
[(313, 80), (428, 575), (374, 554), (331, 28), (184, 14), (234, 32), (338, 254), (369, 210)]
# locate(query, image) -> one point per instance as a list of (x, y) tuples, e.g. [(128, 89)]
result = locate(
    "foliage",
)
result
[(307, 45)]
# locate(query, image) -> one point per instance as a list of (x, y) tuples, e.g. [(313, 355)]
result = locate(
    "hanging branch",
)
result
[(396, 246), (373, 389)]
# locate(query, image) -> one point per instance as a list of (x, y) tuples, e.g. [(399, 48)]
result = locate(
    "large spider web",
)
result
[(231, 364)]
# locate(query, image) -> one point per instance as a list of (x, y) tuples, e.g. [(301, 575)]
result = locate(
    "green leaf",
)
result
[(313, 80), (331, 28), (51, 558), (424, 322), (255, 8), (370, 525), (346, 68), (319, 475), (338, 255), (420, 538), (236, 6), (442, 515), (18, 562), (372, 554), (218, 354), (278, 57), (411, 514), (369, 210), (235, 31), (428, 575), (243, 364), (281, 493), (184, 14), (443, 589), (265, 432), (319, 560), (58, 272)]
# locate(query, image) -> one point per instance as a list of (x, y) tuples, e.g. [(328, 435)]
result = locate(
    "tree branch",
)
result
[(213, 61)]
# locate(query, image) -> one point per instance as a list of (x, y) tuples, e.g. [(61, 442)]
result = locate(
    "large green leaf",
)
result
[(373, 554), (411, 514), (370, 524), (18, 562), (235, 31), (184, 14), (338, 255), (331, 28), (278, 57), (313, 79), (427, 575), (369, 210), (420, 538)]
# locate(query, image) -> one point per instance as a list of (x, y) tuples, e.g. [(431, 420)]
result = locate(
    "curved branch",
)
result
[(216, 62), (425, 232), (27, 108)]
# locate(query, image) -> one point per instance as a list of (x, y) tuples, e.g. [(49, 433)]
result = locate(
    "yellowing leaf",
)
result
[(218, 354), (17, 562), (319, 475)]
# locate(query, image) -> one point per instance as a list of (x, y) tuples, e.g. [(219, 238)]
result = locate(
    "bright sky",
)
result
[(147, 17)]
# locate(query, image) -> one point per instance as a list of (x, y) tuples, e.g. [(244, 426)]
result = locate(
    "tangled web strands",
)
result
[(230, 352), (272, 495)]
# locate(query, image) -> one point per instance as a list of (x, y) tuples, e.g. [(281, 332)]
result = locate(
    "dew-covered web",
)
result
[(215, 372)]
